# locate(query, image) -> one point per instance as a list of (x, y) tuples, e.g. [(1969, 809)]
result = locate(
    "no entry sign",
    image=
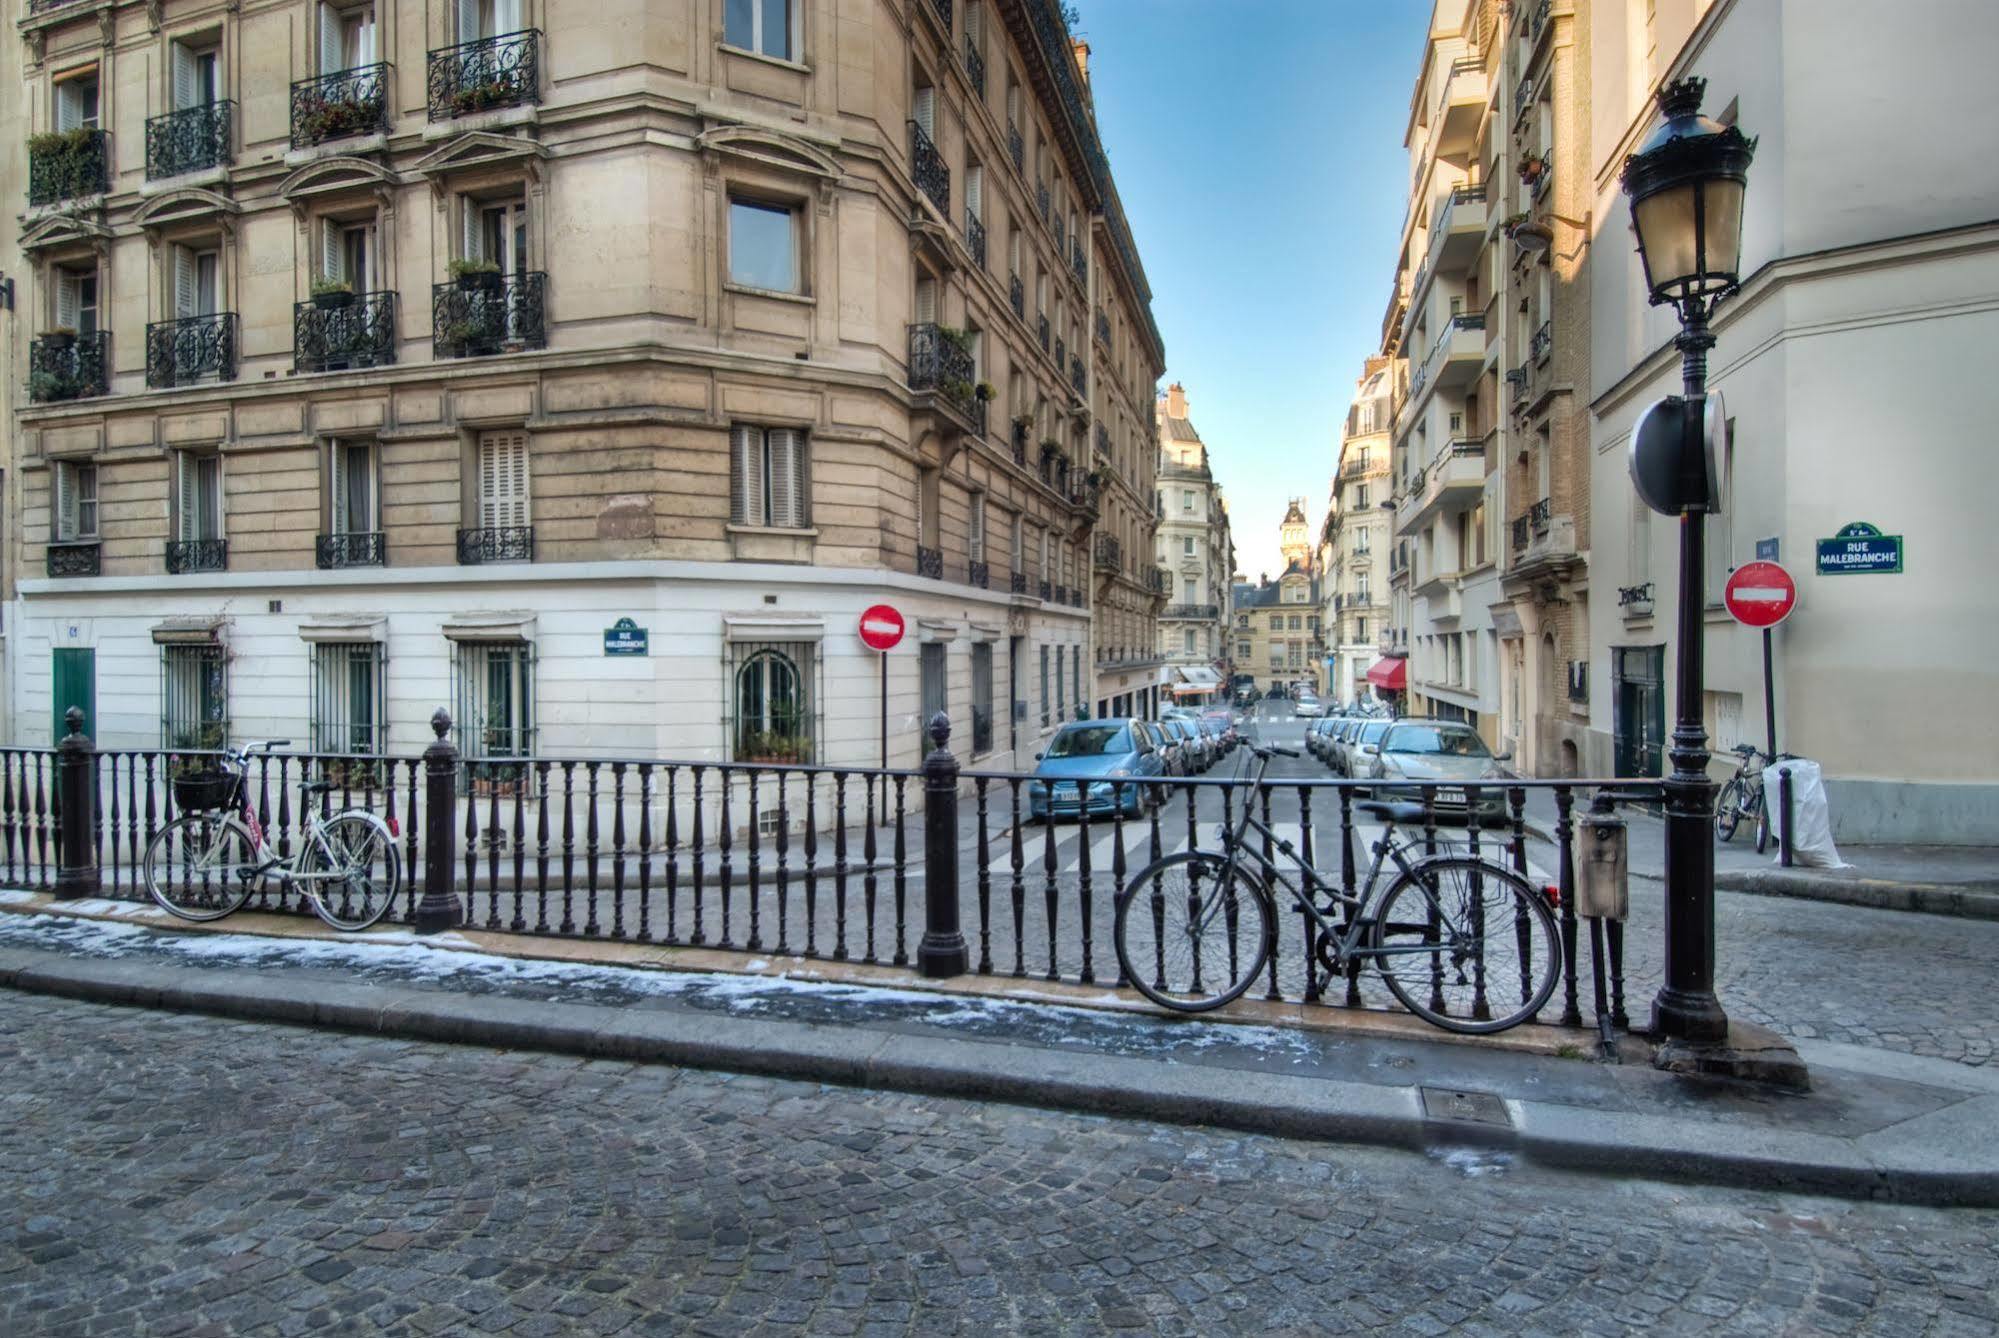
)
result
[(881, 627), (1760, 594)]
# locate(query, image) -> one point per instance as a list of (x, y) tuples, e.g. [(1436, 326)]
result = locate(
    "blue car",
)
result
[(1083, 764)]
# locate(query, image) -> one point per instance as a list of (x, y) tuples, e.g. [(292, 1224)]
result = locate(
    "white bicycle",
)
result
[(204, 864)]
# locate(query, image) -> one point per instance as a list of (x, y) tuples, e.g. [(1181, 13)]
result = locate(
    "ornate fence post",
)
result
[(76, 792), (439, 908), (942, 952)]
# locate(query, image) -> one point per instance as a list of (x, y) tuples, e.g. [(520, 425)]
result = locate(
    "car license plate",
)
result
[(1450, 796), (1066, 790)]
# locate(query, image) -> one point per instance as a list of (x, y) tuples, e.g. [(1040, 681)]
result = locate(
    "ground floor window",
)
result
[(493, 686), (347, 682), (194, 697), (1044, 687), (982, 697), (773, 701), (936, 694)]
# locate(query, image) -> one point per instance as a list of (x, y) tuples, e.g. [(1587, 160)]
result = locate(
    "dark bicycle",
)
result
[(1742, 796), (1464, 943)]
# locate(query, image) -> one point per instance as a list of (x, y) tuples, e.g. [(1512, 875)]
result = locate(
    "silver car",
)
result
[(1433, 751), (1355, 750)]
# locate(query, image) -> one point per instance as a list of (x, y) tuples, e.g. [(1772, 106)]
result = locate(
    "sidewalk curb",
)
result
[(1965, 901), (1565, 1137)]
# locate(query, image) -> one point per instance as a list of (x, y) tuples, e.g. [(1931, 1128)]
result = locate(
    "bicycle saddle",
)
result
[(1401, 813)]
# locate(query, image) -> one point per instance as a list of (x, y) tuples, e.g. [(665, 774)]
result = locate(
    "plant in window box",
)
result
[(1533, 167), (956, 338), (1511, 223), (479, 96), (62, 337), (985, 392), (460, 336), (476, 275), (774, 746), (65, 156), (46, 386), (203, 738), (329, 294), (353, 773), (958, 392)]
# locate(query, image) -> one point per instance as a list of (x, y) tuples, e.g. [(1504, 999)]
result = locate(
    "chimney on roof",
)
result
[(1176, 401), (1082, 51)]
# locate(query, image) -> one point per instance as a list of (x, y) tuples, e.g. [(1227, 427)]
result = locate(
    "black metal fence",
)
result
[(818, 862)]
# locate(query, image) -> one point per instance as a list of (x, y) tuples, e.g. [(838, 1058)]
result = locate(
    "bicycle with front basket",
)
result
[(1464, 943), (205, 863)]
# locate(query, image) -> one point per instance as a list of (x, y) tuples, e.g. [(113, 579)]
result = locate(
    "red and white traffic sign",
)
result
[(881, 627), (1760, 594)]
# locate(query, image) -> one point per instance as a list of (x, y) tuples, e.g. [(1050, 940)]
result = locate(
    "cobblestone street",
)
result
[(176, 1174)]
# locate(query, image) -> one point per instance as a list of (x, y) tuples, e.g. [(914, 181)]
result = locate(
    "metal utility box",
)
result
[(1603, 875)]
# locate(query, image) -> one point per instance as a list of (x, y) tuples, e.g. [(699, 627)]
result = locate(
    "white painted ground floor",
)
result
[(642, 659)]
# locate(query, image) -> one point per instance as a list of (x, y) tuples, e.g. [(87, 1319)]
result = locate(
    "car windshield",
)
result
[(1442, 740), (1372, 731), (1089, 741)]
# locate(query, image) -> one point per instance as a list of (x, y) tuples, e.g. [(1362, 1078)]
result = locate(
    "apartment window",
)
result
[(503, 480), (197, 496), (197, 282), (75, 496), (76, 102), (1190, 641), (196, 78), (348, 253), (488, 18), (1188, 587), (774, 699), (1061, 691), (763, 245), (975, 543), (194, 697), (982, 697), (76, 299), (1187, 546), (351, 488), (1017, 548), (1242, 650), (1478, 535), (1360, 629), (767, 479), (975, 192), (762, 26), (935, 695), (496, 231), (1044, 687), (347, 697), (346, 37), (1360, 541), (1276, 622), (494, 689)]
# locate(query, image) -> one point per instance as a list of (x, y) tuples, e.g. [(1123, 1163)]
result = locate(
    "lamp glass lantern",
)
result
[(1686, 189)]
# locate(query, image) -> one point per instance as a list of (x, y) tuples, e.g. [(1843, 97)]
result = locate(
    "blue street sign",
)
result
[(1858, 549), (1766, 550), (625, 637)]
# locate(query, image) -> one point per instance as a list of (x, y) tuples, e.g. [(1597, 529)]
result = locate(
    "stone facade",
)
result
[(1277, 636), (1194, 547), (1354, 541), (758, 329)]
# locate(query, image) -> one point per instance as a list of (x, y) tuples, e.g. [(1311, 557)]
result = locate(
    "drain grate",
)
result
[(1461, 1107)]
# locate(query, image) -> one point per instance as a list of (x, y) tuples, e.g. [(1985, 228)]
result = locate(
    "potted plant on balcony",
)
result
[(461, 336), (1533, 167), (774, 746), (476, 276), (479, 96), (985, 392), (330, 294), (63, 337), (331, 118)]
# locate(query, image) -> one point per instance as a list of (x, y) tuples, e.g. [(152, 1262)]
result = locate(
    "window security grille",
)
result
[(774, 695), (493, 686), (194, 697), (347, 698)]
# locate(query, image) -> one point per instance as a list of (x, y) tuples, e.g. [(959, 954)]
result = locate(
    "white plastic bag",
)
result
[(1811, 838)]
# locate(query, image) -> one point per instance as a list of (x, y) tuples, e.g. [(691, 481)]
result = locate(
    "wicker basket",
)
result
[(203, 791)]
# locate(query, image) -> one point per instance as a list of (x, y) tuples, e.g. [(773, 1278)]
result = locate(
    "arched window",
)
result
[(773, 716)]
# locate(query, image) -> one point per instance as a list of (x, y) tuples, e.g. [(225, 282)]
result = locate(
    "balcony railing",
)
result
[(1061, 237), (67, 165), (1041, 329), (1016, 147), (488, 313), (1017, 582), (1578, 680), (1044, 591), (930, 562), (941, 363), (332, 552), (1041, 199), (975, 239), (191, 349), (1016, 293), (1544, 341), (191, 555), (933, 178), (484, 74), (509, 543), (1517, 378), (192, 139), (340, 105), (1061, 351), (1158, 580), (1109, 553), (943, 8), (1077, 262), (1520, 534), (77, 557), (1205, 612), (1077, 382), (1103, 329), (1538, 515), (64, 366), (975, 66), (978, 574), (332, 336), (44, 6)]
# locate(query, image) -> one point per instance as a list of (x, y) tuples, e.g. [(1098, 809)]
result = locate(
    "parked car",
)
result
[(1172, 759), (1319, 735), (1307, 705), (1194, 748), (1357, 752), (1331, 739), (1085, 759), (1220, 729), (1440, 750)]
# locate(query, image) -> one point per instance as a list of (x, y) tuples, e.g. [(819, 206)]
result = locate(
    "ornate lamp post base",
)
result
[(1746, 1052)]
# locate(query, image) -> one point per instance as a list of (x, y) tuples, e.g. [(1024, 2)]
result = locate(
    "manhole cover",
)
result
[(1448, 1103)]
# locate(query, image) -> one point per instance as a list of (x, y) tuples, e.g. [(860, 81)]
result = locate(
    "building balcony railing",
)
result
[(1077, 381), (330, 334), (1158, 580), (340, 105), (943, 8), (67, 165), (975, 239), (66, 366), (484, 74), (190, 350), (332, 552), (1078, 263), (1520, 533), (192, 555), (75, 557), (192, 139), (44, 6), (1544, 341), (482, 314), (507, 543), (1041, 199), (1043, 591), (1061, 351), (1061, 237), (930, 562), (1538, 514), (1635, 601), (1041, 330), (1103, 329), (1017, 582), (1104, 441), (978, 574), (1016, 147), (1019, 437), (1517, 378), (1203, 612), (941, 363), (1109, 555), (1061, 594), (975, 66), (933, 178), (1016, 293)]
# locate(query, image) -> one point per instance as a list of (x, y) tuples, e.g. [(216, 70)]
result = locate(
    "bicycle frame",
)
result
[(244, 821)]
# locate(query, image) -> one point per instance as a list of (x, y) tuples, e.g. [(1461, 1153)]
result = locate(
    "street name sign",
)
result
[(1760, 594), (625, 637), (1858, 549)]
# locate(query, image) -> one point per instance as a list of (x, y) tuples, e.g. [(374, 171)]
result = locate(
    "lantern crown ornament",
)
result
[(1686, 185)]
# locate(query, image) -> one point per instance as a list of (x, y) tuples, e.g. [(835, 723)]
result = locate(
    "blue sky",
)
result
[(1257, 145)]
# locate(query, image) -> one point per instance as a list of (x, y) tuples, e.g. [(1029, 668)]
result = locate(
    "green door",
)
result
[(73, 681)]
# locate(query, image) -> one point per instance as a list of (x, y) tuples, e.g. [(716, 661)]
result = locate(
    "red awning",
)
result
[(1389, 675)]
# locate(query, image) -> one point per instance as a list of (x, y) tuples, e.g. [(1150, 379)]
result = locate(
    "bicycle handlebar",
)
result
[(1266, 750)]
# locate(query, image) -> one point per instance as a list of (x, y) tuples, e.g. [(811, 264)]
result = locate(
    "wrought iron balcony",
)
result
[(332, 552), (977, 574), (44, 6), (192, 139), (1041, 199), (191, 349), (1041, 329), (65, 366), (67, 165), (1538, 515), (1544, 341), (939, 362), (1016, 293), (1016, 147), (1078, 262), (1061, 351), (332, 336), (488, 313), (933, 178), (1204, 612), (509, 543), (1077, 382), (191, 555), (1061, 238), (1520, 534), (1103, 441), (1043, 591), (340, 105), (943, 8), (484, 74), (1017, 582), (975, 239), (1020, 444), (76, 557), (1103, 329), (1158, 580), (975, 66), (930, 562), (1061, 594), (1075, 597), (1109, 553)]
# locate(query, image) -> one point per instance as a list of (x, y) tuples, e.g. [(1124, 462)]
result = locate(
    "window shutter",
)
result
[(926, 111), (506, 17), (787, 477), (978, 526), (503, 480), (330, 260), (336, 486), (186, 488), (975, 181), (468, 21), (926, 301), (330, 57), (185, 304), (65, 486), (746, 476), (472, 243), (69, 299), (69, 104), (183, 76)]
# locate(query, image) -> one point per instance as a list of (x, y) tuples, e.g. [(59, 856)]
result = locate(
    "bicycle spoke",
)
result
[(1192, 933)]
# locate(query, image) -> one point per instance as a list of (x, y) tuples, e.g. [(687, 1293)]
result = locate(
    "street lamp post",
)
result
[(1686, 189)]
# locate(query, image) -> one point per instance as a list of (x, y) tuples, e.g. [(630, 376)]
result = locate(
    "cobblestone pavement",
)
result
[(179, 1175)]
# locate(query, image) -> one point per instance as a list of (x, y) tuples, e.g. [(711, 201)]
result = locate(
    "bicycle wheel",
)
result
[(1728, 809), (1762, 827), (1467, 945), (350, 870), (199, 866), (1193, 930)]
